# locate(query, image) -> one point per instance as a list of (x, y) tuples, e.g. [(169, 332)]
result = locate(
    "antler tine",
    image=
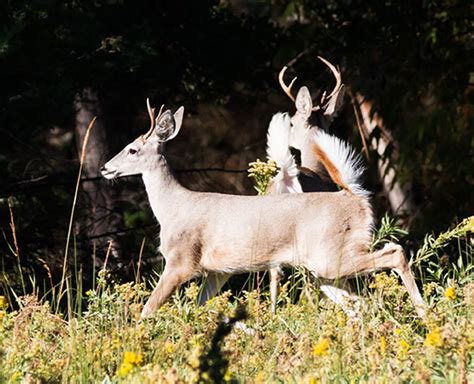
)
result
[(160, 111), (286, 89), (336, 74), (151, 113), (318, 107)]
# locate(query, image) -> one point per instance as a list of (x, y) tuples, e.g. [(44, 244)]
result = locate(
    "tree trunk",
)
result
[(99, 198), (399, 196)]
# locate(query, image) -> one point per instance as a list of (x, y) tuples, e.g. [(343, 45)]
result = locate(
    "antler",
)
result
[(286, 89), (151, 113), (336, 74)]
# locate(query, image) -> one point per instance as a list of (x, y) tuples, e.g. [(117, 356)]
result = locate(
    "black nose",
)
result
[(102, 169)]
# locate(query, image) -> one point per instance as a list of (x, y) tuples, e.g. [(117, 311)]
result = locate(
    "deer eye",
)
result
[(132, 151)]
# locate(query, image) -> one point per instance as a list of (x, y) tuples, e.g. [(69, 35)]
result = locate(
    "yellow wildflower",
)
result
[(125, 369), (169, 347), (404, 347), (321, 348), (450, 293), (3, 302), (313, 380), (383, 345), (260, 378), (228, 376), (398, 331), (130, 360), (262, 172), (434, 338)]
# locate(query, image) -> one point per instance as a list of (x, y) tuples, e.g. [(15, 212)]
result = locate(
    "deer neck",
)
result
[(308, 157), (164, 191)]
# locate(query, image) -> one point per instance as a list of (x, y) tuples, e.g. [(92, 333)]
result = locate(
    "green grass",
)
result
[(98, 339)]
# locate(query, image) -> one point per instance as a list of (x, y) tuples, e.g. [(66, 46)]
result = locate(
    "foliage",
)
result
[(262, 174), (388, 231), (301, 342)]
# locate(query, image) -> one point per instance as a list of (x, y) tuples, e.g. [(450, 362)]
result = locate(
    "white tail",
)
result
[(278, 149), (341, 162), (215, 234)]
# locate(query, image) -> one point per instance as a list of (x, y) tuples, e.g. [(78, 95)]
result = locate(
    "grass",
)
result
[(308, 340)]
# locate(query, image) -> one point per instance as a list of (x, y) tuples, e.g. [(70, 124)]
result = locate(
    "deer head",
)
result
[(328, 105), (140, 155)]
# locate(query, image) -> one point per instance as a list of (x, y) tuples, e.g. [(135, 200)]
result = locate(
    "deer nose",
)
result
[(103, 169)]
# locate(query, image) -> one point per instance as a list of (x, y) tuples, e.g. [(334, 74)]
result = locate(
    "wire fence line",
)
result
[(57, 180)]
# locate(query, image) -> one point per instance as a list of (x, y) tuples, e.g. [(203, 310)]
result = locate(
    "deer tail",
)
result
[(342, 163), (286, 180)]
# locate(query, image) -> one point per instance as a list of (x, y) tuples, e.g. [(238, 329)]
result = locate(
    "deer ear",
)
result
[(165, 126), (304, 103), (178, 119)]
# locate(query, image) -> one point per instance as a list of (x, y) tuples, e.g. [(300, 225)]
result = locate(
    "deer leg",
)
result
[(212, 284), (389, 257), (275, 278), (349, 303), (170, 280)]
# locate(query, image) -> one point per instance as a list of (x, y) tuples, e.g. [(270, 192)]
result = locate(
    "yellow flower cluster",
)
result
[(262, 172), (434, 338), (322, 347), (383, 345), (404, 347), (450, 293), (262, 168), (130, 360), (3, 306)]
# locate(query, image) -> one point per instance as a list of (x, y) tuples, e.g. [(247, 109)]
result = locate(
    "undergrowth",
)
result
[(98, 337)]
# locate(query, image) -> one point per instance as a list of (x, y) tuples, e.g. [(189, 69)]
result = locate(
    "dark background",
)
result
[(62, 62)]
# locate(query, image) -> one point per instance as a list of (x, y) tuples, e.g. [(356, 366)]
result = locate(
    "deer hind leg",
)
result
[(389, 257), (171, 279), (349, 302), (213, 283), (275, 278)]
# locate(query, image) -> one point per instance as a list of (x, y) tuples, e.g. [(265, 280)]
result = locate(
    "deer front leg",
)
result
[(173, 277), (212, 284), (275, 278)]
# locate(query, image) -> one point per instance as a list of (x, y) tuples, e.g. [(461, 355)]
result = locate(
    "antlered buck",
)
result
[(216, 234), (315, 173)]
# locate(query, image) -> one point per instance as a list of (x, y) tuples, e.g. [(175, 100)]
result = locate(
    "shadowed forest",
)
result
[(407, 70)]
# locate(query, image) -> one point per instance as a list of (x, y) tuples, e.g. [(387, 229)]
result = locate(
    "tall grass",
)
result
[(97, 337)]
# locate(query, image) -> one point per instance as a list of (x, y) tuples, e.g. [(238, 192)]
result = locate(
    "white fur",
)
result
[(345, 159), (286, 180)]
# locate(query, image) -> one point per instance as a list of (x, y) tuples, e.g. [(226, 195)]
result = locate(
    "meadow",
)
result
[(97, 337)]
